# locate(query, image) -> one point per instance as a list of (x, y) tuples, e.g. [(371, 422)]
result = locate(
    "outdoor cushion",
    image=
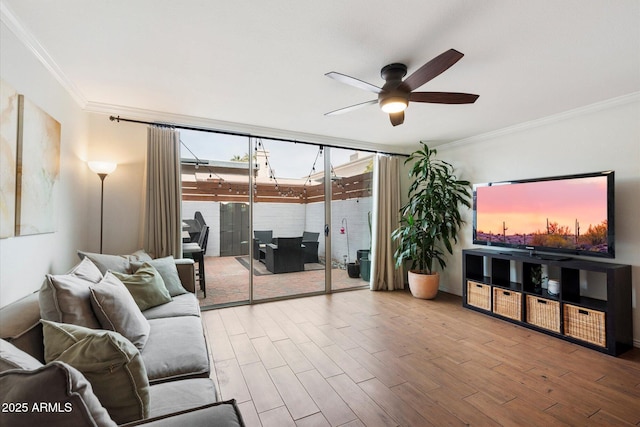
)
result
[(176, 349), (117, 311), (119, 263), (110, 363), (65, 298), (181, 305), (145, 286), (12, 357), (56, 385), (167, 268)]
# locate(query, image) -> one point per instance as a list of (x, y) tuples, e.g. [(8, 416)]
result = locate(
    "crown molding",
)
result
[(566, 115), (25, 36), (161, 117)]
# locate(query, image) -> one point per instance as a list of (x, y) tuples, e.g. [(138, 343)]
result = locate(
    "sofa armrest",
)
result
[(187, 273), (219, 414)]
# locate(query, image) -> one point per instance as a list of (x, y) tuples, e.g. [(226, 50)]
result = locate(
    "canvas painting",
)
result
[(8, 147), (38, 169)]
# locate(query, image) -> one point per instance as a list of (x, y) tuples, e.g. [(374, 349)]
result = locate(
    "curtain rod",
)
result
[(248, 135)]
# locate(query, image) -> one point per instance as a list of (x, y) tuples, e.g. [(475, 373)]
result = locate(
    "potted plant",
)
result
[(430, 220)]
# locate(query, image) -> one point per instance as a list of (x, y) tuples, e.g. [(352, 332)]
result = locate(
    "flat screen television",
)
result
[(570, 215)]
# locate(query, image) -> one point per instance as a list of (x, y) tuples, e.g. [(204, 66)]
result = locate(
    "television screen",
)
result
[(568, 214)]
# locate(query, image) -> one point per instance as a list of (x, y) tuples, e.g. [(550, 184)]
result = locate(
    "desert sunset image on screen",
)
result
[(565, 214)]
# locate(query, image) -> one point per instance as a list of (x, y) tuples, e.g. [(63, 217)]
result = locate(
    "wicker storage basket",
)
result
[(507, 303), (544, 313), (479, 295), (585, 324)]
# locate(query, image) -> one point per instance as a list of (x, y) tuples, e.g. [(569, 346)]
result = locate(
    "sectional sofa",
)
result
[(106, 344)]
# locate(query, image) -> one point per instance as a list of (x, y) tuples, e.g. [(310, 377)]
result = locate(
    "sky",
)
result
[(289, 160), (525, 207)]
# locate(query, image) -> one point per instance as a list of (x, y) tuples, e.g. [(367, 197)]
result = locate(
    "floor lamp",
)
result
[(102, 169)]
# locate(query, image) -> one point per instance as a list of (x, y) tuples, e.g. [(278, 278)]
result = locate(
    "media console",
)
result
[(592, 308)]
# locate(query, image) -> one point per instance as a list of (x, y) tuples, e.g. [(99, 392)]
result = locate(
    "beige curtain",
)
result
[(163, 215), (386, 201)]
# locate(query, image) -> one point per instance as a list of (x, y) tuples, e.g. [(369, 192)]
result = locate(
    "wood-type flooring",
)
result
[(364, 358)]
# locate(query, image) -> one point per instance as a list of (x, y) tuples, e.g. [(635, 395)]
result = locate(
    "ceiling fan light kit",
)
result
[(395, 95), (393, 104)]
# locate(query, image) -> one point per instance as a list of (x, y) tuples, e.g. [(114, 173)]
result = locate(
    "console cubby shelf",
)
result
[(586, 311)]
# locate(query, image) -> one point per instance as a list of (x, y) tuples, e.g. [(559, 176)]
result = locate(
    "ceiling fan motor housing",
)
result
[(393, 91)]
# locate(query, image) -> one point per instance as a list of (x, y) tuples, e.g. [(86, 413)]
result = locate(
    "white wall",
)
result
[(25, 260), (124, 200), (600, 137), (291, 219)]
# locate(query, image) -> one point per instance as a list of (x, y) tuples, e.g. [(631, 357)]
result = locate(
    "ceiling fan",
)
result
[(395, 95)]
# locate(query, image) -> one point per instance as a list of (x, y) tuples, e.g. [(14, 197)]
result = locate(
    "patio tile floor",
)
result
[(228, 282)]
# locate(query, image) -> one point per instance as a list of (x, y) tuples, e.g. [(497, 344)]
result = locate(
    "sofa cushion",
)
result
[(119, 263), (176, 349), (219, 414), (20, 325), (63, 393), (145, 286), (12, 357), (64, 298), (181, 305), (109, 361), (116, 310), (167, 268), (176, 396)]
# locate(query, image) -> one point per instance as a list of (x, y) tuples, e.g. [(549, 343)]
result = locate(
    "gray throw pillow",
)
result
[(12, 357), (56, 385), (145, 286), (117, 311), (169, 272), (110, 363), (119, 263), (64, 298)]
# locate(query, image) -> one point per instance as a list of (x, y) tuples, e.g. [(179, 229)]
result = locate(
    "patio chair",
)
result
[(286, 255), (197, 251), (261, 238), (310, 243), (195, 226)]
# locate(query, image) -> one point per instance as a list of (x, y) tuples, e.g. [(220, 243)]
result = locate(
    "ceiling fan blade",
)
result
[(397, 118), (432, 69), (351, 108), (352, 81), (443, 97)]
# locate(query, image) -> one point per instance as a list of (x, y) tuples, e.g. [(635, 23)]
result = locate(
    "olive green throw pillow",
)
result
[(110, 362), (167, 268), (146, 287)]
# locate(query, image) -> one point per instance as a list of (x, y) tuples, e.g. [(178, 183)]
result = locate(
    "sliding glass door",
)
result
[(215, 187), (288, 220), (274, 231), (351, 209)]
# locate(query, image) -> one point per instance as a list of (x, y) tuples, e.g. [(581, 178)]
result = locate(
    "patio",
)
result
[(227, 281)]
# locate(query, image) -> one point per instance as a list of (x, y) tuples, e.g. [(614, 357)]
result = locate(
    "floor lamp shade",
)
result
[(102, 169)]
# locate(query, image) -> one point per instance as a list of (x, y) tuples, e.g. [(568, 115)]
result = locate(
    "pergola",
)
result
[(218, 189)]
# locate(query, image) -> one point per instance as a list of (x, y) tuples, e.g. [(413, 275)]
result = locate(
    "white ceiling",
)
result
[(262, 63)]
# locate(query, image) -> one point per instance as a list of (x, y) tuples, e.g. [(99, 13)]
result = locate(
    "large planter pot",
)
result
[(360, 253), (365, 269), (353, 270), (423, 285)]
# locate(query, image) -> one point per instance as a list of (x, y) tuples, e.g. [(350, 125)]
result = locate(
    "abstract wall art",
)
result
[(29, 166), (8, 153), (38, 169)]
